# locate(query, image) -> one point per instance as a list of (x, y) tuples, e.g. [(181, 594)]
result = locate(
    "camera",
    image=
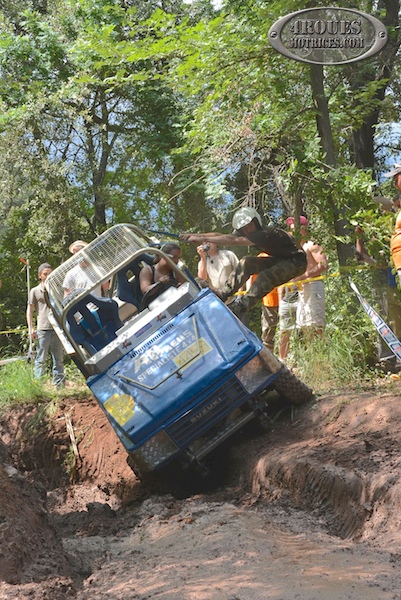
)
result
[(206, 247)]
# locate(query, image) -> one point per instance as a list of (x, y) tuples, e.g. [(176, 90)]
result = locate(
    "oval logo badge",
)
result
[(328, 36)]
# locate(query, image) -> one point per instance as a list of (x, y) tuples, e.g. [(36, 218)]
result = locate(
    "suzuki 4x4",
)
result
[(176, 373)]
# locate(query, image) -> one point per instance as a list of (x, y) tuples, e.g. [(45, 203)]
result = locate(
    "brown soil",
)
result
[(309, 510)]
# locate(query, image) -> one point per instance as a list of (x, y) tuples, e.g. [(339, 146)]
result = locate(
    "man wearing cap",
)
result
[(311, 309), (81, 276), (284, 260), (77, 246), (395, 173), (47, 339)]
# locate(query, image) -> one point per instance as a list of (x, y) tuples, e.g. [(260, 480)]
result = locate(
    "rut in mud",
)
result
[(309, 509)]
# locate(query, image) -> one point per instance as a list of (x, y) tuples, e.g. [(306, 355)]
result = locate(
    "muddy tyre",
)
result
[(291, 388)]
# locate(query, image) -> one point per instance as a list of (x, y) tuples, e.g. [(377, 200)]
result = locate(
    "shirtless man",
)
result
[(311, 311)]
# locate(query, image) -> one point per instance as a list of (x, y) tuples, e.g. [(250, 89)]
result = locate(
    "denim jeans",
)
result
[(49, 342)]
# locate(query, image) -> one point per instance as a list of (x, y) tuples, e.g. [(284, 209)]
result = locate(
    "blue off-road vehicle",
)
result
[(175, 372)]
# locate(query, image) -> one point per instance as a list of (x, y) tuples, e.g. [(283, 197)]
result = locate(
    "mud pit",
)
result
[(309, 510)]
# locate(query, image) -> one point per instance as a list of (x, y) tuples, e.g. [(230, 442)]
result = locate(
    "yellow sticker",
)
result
[(190, 354), (121, 407)]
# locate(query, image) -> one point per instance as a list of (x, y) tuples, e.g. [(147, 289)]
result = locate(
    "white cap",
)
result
[(395, 170)]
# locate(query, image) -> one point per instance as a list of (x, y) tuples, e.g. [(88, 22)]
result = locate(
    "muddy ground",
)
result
[(307, 510)]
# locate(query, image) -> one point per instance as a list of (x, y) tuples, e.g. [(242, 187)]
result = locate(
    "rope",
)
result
[(299, 284), (166, 233), (14, 331), (289, 284)]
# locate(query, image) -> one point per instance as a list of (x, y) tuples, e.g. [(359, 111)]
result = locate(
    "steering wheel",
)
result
[(155, 290)]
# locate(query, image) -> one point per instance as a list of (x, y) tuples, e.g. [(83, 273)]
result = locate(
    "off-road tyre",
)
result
[(291, 388)]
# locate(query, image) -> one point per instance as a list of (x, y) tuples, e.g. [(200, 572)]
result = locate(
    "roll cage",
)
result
[(123, 247)]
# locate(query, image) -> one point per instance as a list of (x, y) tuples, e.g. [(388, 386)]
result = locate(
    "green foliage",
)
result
[(18, 385), (377, 228), (346, 355), (335, 361), (170, 115)]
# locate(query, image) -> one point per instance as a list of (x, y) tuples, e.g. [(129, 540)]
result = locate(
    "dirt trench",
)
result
[(309, 509)]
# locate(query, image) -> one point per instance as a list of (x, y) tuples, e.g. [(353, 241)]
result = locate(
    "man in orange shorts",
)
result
[(269, 317)]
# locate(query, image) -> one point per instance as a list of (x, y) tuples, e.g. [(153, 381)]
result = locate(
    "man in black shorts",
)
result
[(284, 262)]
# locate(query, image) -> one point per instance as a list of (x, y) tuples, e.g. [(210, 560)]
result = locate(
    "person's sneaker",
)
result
[(236, 306)]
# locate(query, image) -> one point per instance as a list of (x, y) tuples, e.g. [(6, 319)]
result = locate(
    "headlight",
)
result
[(253, 375), (158, 449)]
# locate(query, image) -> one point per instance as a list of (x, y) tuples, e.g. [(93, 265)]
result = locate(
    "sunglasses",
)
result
[(173, 257)]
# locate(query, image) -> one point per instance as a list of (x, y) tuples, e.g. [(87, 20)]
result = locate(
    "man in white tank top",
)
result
[(311, 311)]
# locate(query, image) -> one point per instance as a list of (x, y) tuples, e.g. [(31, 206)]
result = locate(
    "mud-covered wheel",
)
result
[(291, 388)]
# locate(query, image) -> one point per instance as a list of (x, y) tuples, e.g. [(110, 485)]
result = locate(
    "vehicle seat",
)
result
[(128, 287), (98, 324)]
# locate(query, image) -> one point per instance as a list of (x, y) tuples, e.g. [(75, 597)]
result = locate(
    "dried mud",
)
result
[(309, 509)]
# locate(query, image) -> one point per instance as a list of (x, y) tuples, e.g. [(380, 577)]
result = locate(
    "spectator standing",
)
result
[(395, 173), (395, 246), (215, 265), (269, 316), (311, 310), (77, 246), (288, 297), (47, 339), (395, 242), (82, 275), (269, 319), (386, 295), (284, 260)]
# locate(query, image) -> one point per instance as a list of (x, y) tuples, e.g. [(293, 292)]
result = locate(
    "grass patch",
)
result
[(19, 386), (337, 360)]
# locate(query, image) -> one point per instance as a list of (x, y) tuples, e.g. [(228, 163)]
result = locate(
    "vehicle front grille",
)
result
[(208, 413)]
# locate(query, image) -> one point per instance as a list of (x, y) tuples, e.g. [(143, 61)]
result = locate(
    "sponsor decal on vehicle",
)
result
[(188, 356), (121, 407), (173, 354)]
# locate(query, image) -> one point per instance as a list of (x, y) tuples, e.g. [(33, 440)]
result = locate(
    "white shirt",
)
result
[(220, 267), (80, 278)]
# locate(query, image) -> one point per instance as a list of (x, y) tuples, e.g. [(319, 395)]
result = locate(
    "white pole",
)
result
[(28, 285)]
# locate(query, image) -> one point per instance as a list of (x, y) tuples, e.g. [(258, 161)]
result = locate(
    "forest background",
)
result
[(170, 115)]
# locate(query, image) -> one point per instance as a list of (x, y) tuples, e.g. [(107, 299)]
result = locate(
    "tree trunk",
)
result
[(363, 149), (344, 251)]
